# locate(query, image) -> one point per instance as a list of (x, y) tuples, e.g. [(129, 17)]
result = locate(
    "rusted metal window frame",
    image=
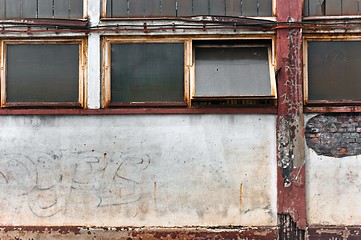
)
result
[(106, 72), (103, 13), (325, 105), (82, 42), (189, 69), (271, 64)]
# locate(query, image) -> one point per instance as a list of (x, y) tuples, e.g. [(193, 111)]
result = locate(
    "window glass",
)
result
[(42, 73), (331, 7), (232, 71), (147, 72), (183, 8), (334, 70), (62, 9)]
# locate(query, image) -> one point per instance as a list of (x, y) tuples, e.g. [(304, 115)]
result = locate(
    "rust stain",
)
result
[(128, 233), (155, 195), (334, 232), (240, 195), (78, 23)]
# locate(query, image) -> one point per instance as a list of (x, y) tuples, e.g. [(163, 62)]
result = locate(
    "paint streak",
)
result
[(155, 195), (240, 195)]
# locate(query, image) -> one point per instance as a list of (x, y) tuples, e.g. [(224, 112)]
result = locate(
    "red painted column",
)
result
[(291, 198)]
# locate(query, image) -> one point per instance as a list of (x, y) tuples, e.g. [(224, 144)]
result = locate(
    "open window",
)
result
[(332, 72), (144, 73), (42, 73), (232, 71), (188, 72)]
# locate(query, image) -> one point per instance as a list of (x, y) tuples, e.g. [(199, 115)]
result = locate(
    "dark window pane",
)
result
[(119, 8), (333, 7), (334, 70), (249, 8), (42, 73), (151, 8), (45, 9), (61, 9), (217, 7), (200, 7), (76, 8), (29, 9), (12, 9), (184, 8), (2, 8), (350, 7), (232, 71), (306, 11), (109, 8), (315, 7), (264, 8), (147, 72), (233, 8), (136, 8), (169, 8)]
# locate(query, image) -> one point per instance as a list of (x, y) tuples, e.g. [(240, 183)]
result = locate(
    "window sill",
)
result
[(331, 109), (46, 22), (141, 111), (28, 105), (334, 17)]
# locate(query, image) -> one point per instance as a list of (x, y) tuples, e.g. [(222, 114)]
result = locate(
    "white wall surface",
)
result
[(146, 170), (333, 189)]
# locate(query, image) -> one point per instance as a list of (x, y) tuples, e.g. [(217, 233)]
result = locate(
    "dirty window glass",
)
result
[(184, 8), (331, 7), (334, 70), (42, 73), (147, 72), (62, 9), (232, 71)]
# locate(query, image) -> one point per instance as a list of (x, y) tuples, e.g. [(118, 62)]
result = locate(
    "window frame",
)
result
[(81, 103), (271, 73), (106, 72), (189, 69), (324, 103)]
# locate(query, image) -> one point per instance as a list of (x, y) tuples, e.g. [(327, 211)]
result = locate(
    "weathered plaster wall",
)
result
[(333, 183), (146, 170)]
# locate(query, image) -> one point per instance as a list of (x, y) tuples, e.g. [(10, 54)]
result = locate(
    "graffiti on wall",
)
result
[(49, 185)]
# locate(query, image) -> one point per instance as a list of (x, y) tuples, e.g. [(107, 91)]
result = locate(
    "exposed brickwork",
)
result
[(335, 135)]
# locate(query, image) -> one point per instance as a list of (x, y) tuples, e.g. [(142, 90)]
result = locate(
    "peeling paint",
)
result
[(128, 233), (334, 233), (334, 135)]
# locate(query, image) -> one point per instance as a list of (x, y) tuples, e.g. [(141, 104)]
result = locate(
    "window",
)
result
[(331, 7), (42, 73), (181, 72), (230, 69), (184, 8), (41, 9), (333, 71), (145, 73)]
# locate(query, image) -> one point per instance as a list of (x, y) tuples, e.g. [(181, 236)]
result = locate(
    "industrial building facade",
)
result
[(180, 119)]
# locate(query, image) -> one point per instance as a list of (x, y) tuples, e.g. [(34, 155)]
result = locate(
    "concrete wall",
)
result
[(333, 182), (152, 170)]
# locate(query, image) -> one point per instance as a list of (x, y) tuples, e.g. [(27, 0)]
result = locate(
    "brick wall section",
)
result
[(335, 135)]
